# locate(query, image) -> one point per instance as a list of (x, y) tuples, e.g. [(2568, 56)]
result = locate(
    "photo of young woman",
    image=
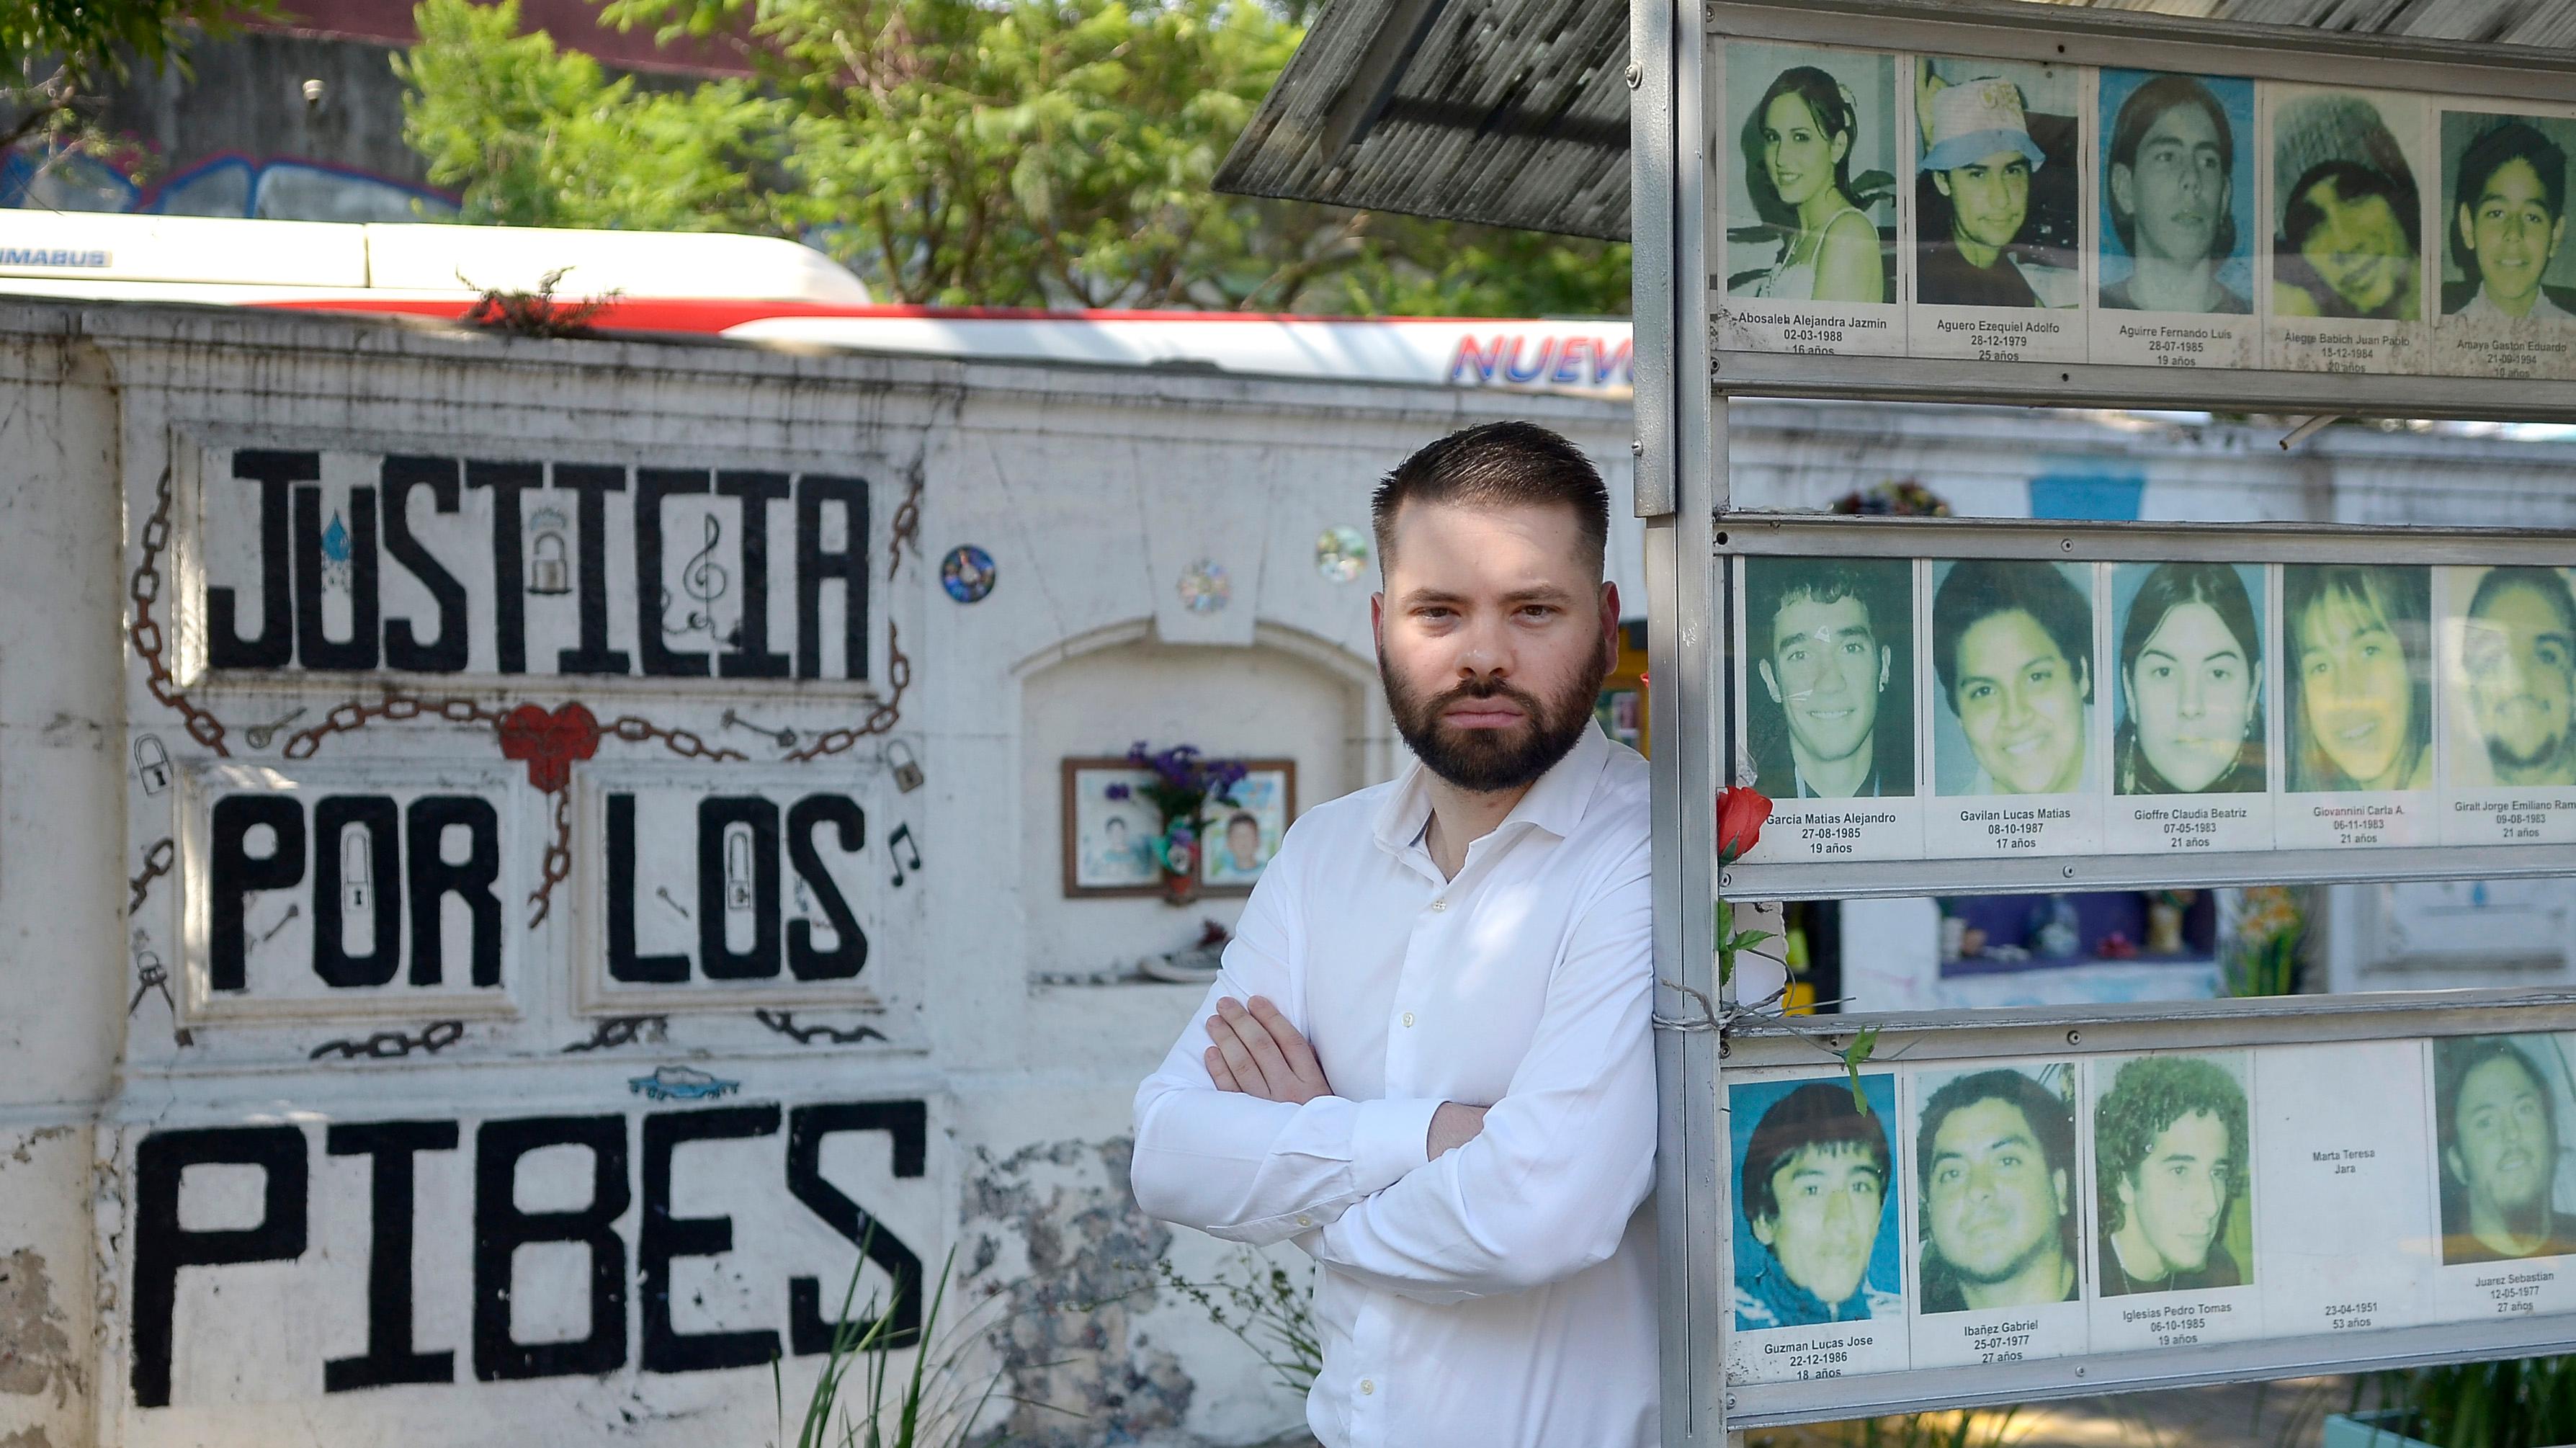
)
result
[(1806, 122), (1810, 201), (2191, 681), (2359, 676)]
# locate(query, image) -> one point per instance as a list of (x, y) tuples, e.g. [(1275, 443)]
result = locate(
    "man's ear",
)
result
[(1886, 661), (2122, 1188), (1941, 182), (1610, 612), (2084, 680), (2452, 1163), (2123, 191), (1769, 681), (1377, 621), (1764, 1229), (2057, 1178)]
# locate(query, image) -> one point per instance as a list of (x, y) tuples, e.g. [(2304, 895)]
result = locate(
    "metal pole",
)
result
[(1679, 486)]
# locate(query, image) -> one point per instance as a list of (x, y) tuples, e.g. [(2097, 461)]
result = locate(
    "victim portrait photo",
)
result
[(2012, 648), (2497, 1104), (1996, 1176), (1815, 1242), (1811, 205), (2172, 1197), (2504, 217), (1998, 205), (2510, 684), (2177, 193), (2190, 678), (2357, 674), (1829, 692), (2346, 209)]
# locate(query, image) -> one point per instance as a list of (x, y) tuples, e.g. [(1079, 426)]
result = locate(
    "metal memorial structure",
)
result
[(2063, 207)]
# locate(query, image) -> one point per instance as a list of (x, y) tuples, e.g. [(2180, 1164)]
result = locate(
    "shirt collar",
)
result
[(1555, 804)]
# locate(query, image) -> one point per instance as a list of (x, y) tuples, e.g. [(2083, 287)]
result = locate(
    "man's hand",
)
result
[(1259, 1054), (1452, 1126)]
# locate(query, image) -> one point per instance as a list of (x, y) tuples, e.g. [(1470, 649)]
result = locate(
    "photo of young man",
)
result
[(2170, 185), (1995, 1162), (2169, 1167), (2347, 210), (1811, 1184), (2496, 1120), (1996, 205), (2517, 677), (2508, 217), (2012, 644), (1830, 703)]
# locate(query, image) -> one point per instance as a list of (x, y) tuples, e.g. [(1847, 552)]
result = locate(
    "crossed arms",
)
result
[(1239, 1135)]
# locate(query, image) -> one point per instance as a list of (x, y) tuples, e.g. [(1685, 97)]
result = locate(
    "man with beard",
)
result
[(2499, 1136), (1427, 1060), (2519, 652), (1996, 1152), (2168, 1162)]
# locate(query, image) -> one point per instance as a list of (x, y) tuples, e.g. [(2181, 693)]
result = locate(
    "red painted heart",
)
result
[(549, 742)]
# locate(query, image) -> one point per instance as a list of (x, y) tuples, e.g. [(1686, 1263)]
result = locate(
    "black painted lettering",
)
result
[(652, 485), (403, 648), (815, 566), (501, 1229), (162, 1246), (276, 473), (750, 657), (849, 825), (234, 873), (389, 1358), (316, 648), (737, 876), (350, 874), (664, 1237), (593, 483), (623, 963), (908, 1124), (509, 576), (429, 878)]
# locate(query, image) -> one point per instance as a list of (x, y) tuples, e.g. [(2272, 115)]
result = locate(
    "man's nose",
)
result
[(2016, 705)]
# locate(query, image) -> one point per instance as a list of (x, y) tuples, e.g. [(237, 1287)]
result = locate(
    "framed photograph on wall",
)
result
[(1113, 833)]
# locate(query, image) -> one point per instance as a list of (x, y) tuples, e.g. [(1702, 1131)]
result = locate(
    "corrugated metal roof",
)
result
[(1515, 112)]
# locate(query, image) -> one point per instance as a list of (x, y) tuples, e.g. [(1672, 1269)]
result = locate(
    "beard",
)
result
[(1485, 761)]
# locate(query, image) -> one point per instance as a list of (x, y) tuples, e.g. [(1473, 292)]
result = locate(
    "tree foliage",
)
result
[(54, 54), (1008, 152)]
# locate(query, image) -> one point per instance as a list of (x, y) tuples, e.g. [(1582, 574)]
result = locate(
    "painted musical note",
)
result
[(902, 836), (705, 581)]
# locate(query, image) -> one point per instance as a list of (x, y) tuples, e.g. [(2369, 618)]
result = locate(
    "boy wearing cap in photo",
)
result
[(1980, 157)]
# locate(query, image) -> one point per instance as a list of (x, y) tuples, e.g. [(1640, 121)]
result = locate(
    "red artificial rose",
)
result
[(1741, 809)]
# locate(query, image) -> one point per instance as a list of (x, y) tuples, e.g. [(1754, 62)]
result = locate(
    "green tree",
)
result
[(1011, 152), (55, 53)]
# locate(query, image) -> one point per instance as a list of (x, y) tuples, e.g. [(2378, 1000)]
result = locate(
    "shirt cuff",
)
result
[(1388, 1140)]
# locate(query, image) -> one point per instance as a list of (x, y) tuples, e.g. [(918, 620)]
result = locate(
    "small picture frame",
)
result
[(1108, 837)]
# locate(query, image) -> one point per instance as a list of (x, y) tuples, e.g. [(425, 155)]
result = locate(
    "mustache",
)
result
[(1487, 688)]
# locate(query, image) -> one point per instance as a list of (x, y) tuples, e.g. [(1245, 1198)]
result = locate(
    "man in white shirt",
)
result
[(1466, 1145)]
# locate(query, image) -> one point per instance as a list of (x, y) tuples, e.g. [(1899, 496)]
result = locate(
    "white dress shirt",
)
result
[(1504, 1294)]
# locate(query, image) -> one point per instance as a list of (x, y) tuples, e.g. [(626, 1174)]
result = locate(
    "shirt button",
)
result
[(1440, 904), (1305, 1221), (1408, 1018), (1367, 1386)]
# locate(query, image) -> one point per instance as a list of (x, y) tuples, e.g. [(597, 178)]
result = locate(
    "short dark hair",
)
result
[(2401, 596), (2455, 1057), (1242, 817), (1980, 588), (1769, 590), (2353, 181), (2549, 583), (2150, 1094), (2138, 114), (1497, 465), (2052, 1120), (1819, 1114), (2512, 141)]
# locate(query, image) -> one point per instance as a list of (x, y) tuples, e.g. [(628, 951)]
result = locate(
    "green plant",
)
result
[(2262, 958), (1959, 1428), (1266, 1309), (2517, 1403), (935, 1405)]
